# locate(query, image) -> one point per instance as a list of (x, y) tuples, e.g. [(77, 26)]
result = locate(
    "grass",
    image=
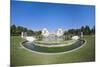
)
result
[(20, 56)]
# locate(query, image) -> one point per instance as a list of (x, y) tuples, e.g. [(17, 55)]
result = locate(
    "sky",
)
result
[(39, 15)]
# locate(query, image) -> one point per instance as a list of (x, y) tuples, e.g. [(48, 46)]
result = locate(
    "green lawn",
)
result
[(20, 56)]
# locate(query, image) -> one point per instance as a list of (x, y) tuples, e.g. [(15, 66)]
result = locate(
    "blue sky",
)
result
[(38, 15)]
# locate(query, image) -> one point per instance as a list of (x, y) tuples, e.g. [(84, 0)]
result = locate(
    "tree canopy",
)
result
[(16, 31)]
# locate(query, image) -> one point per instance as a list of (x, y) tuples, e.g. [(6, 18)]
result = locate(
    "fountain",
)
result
[(27, 38), (58, 36), (45, 34), (52, 42)]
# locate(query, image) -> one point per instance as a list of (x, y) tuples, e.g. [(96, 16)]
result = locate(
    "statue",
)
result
[(45, 32), (59, 32)]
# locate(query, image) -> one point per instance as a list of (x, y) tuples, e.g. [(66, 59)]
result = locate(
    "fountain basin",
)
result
[(53, 48), (54, 43)]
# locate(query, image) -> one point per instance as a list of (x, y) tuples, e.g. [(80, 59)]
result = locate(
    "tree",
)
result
[(77, 31), (16, 31), (83, 29), (71, 31), (93, 30), (87, 30), (30, 32), (24, 29), (13, 30), (66, 35), (19, 30)]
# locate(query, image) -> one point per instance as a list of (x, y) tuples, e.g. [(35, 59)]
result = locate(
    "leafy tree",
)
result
[(30, 32), (13, 30), (93, 30), (83, 29), (16, 31), (24, 29), (87, 30)]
